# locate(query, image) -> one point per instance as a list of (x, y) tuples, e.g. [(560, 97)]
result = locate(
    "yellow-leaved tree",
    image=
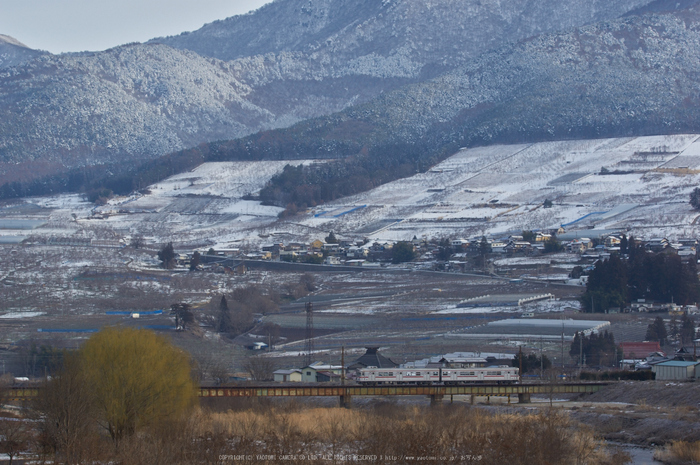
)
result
[(137, 379)]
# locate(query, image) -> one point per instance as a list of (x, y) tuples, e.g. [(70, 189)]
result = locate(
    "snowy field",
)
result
[(500, 189), (641, 184)]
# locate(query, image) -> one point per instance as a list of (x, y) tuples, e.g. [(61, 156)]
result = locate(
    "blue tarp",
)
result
[(43, 330), (149, 312)]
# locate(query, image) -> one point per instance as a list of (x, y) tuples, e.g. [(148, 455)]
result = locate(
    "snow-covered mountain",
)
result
[(14, 52), (286, 62)]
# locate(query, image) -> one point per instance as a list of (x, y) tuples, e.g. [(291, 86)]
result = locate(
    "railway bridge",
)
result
[(436, 393), (345, 393)]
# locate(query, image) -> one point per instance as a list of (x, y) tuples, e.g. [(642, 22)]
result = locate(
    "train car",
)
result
[(374, 376)]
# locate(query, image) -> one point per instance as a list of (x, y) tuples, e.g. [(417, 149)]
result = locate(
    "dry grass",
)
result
[(679, 452), (274, 433), (443, 435)]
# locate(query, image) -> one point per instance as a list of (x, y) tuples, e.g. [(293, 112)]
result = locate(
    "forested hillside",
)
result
[(287, 62), (635, 76)]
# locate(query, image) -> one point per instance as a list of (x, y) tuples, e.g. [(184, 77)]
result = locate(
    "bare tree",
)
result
[(65, 413), (15, 436), (137, 241), (308, 281), (218, 370), (259, 368)]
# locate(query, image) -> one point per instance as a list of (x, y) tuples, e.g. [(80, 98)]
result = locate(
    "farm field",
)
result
[(65, 263), (638, 184)]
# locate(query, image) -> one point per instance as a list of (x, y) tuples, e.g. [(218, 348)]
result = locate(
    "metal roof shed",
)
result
[(676, 370)]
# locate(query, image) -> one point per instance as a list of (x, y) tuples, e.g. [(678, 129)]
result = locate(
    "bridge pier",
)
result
[(436, 399), (346, 401), (524, 398)]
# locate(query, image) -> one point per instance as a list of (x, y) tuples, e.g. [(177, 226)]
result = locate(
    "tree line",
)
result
[(660, 277), (683, 330), (595, 349)]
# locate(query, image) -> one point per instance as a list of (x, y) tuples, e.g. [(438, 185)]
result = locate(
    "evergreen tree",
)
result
[(656, 331), (532, 362), (624, 245), (695, 198), (596, 349), (687, 330), (183, 315), (224, 323), (552, 245), (576, 349), (402, 252), (331, 239), (673, 327), (444, 250), (167, 256), (607, 286), (484, 246), (196, 260), (528, 236)]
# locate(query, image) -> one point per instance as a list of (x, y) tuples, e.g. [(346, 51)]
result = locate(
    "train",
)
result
[(373, 376)]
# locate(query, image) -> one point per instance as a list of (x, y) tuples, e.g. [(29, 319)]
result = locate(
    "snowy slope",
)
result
[(488, 190)]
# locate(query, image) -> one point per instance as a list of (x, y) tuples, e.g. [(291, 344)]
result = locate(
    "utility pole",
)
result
[(562, 343), (342, 366), (520, 358), (541, 359), (309, 343)]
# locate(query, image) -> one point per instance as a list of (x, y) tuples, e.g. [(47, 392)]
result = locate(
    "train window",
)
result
[(466, 373), (493, 373), (436, 373)]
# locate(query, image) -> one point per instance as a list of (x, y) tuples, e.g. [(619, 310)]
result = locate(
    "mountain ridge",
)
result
[(14, 53), (137, 102)]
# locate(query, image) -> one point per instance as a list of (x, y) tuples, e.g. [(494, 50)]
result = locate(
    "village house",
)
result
[(357, 252), (498, 247), (674, 370), (236, 268), (656, 245), (289, 255), (613, 240), (518, 246), (543, 237), (459, 244), (330, 248), (371, 358), (639, 350), (309, 374), (286, 376), (579, 245)]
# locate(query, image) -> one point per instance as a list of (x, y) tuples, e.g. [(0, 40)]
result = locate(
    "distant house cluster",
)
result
[(456, 254), (682, 365)]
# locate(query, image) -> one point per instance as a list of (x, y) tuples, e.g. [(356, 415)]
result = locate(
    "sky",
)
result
[(79, 25)]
